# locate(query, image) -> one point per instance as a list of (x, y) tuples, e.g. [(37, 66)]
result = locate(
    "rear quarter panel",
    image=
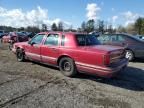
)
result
[(83, 56)]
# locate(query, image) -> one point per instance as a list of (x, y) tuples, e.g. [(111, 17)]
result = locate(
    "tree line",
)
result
[(86, 26), (96, 26)]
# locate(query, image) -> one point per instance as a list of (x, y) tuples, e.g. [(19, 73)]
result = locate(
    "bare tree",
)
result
[(54, 27)]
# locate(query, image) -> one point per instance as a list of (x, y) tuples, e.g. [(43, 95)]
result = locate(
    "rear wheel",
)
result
[(20, 55), (129, 55), (67, 67)]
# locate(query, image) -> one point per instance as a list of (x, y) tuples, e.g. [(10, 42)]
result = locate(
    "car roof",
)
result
[(118, 34), (64, 33), (126, 34)]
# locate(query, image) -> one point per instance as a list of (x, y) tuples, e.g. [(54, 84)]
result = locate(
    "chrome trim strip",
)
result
[(32, 54), (47, 57), (37, 55), (92, 66), (113, 58), (101, 68), (106, 71)]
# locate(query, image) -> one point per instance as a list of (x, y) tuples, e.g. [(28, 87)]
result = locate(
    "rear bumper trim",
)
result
[(103, 70)]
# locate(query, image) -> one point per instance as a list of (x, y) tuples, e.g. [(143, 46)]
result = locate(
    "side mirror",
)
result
[(31, 43)]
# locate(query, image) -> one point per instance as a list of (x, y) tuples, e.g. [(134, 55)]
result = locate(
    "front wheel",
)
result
[(129, 55), (67, 67), (20, 55)]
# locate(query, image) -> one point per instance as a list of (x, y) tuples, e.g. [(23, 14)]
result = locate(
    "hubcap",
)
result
[(19, 55), (67, 66), (128, 55)]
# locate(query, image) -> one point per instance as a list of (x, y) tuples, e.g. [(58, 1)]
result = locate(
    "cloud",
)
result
[(114, 18), (19, 18), (125, 18), (92, 11), (130, 17), (113, 9), (102, 3)]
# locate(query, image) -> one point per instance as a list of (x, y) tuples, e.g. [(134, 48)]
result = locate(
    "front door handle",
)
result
[(36, 46), (54, 49)]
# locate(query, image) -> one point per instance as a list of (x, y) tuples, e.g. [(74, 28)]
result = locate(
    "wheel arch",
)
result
[(62, 56), (131, 51), (20, 48)]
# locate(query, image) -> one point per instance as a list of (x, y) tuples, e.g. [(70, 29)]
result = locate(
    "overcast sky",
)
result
[(19, 13)]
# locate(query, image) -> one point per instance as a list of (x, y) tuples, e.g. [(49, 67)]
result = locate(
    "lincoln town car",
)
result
[(73, 53)]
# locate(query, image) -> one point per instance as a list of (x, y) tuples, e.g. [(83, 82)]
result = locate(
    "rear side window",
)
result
[(63, 40), (114, 38), (121, 38), (87, 40), (52, 40)]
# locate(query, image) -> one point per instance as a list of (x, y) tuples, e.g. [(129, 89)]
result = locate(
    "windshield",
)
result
[(87, 40)]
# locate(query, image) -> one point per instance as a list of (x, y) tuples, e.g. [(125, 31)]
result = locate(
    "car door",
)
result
[(32, 50), (118, 40), (50, 49)]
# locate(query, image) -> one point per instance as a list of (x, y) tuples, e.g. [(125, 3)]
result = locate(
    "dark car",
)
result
[(31, 34), (134, 46), (17, 37), (2, 33), (140, 37)]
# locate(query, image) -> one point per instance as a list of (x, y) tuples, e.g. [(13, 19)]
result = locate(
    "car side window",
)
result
[(114, 38), (121, 38), (52, 40), (37, 39), (104, 38)]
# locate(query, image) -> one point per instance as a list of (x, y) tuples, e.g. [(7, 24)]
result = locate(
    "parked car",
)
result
[(6, 38), (2, 33), (140, 37), (31, 34), (17, 37), (134, 46), (72, 53)]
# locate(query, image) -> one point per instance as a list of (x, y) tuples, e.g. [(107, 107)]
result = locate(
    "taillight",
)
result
[(106, 59)]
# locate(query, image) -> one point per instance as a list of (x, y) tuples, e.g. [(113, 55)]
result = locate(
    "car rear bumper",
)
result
[(109, 71)]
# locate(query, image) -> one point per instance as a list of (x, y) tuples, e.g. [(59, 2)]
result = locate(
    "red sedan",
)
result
[(6, 38), (73, 53)]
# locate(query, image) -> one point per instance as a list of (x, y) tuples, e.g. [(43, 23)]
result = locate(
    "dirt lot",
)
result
[(32, 85)]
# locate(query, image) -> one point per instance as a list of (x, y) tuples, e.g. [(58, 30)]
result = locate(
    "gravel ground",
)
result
[(33, 85)]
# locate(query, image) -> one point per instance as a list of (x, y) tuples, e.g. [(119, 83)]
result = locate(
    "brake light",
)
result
[(106, 59)]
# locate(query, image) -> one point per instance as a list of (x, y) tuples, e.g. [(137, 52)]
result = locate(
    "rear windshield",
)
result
[(87, 40), (137, 38)]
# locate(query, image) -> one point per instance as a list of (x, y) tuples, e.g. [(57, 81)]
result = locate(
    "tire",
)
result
[(67, 67), (20, 55), (129, 55), (1, 40), (10, 46)]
